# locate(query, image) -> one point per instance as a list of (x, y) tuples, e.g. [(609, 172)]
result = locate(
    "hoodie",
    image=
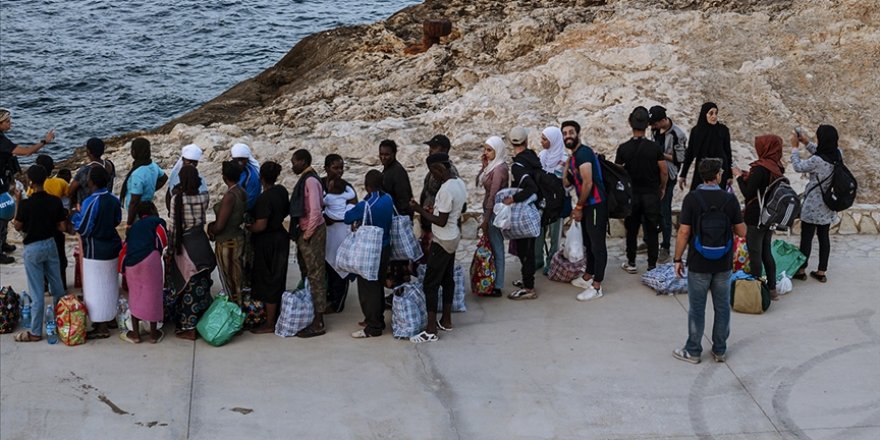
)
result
[(525, 164)]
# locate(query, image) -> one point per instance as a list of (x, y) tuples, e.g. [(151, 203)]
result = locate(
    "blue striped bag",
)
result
[(361, 251), (525, 219), (297, 312), (408, 312)]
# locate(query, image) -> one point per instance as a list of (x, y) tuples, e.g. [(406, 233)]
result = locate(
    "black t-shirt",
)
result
[(273, 205), (639, 156), (40, 214), (690, 215), (8, 162)]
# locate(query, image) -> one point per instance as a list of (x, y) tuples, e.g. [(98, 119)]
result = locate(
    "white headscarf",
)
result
[(551, 157), (500, 148), (242, 151), (189, 152)]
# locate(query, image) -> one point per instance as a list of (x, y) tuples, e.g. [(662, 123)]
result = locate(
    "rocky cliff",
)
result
[(769, 64)]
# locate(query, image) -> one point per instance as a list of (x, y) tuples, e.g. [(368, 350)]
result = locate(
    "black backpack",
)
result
[(713, 237), (618, 188), (551, 196), (841, 193), (779, 206)]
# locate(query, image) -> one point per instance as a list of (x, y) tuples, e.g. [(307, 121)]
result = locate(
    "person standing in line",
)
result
[(79, 186), (372, 293), (753, 185), (271, 243), (446, 235), (227, 233), (8, 168), (249, 180), (57, 187), (193, 259), (704, 274), (437, 144), (142, 265), (674, 142), (493, 177), (709, 138), (339, 196), (96, 225), (189, 155), (816, 217), (142, 181), (644, 161), (585, 174), (395, 179), (308, 229), (526, 165), (554, 159), (39, 217)]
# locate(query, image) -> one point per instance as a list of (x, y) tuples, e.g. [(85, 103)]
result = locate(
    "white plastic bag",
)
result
[(783, 286), (502, 216), (574, 243)]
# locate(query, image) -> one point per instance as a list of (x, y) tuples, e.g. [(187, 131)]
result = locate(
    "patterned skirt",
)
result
[(193, 301)]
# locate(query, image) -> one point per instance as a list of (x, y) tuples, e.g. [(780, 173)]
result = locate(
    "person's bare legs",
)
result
[(271, 318), (432, 322), (135, 333), (154, 333)]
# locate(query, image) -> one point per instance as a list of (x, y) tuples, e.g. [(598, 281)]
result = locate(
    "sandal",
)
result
[(94, 334), (821, 278), (159, 339), (124, 336), (309, 332), (445, 329), (522, 294), (424, 337), (26, 336), (800, 276)]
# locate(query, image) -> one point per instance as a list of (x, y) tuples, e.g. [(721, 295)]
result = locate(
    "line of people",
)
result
[(252, 246)]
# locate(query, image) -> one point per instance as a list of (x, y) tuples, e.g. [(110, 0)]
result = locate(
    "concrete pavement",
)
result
[(548, 368)]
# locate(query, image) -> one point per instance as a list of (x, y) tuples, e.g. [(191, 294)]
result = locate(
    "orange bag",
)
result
[(71, 320)]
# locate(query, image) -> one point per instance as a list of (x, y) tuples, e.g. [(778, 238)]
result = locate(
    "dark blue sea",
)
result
[(101, 68)]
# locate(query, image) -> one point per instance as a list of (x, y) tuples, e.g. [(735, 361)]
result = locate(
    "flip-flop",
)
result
[(26, 336), (124, 336), (800, 276), (159, 339), (821, 278), (441, 327)]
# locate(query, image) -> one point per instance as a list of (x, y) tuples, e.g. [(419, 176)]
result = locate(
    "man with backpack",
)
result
[(526, 165), (645, 162), (674, 142), (583, 171), (710, 217)]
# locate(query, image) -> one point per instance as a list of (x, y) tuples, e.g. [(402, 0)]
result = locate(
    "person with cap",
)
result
[(553, 161), (493, 177), (526, 165), (189, 155), (709, 138), (250, 176), (583, 171), (674, 142), (142, 181), (79, 186), (9, 167), (308, 229), (645, 162), (439, 272)]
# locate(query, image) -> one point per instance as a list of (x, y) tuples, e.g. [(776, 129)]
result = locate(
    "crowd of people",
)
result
[(252, 245)]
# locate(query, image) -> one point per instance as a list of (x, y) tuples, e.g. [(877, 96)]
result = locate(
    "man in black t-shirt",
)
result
[(9, 166), (706, 274), (643, 159), (39, 217)]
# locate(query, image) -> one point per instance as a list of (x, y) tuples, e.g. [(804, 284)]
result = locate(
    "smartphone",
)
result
[(799, 131)]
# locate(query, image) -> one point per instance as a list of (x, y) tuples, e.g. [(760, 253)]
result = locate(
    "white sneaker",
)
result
[(590, 293), (629, 268), (582, 283)]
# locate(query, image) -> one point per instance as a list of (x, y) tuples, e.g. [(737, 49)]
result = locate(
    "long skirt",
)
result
[(269, 276), (193, 301), (101, 288), (229, 263), (145, 281)]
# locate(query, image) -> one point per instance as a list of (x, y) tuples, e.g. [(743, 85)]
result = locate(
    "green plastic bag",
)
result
[(788, 257), (221, 321)]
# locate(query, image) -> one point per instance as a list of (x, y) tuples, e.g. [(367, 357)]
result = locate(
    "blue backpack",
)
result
[(714, 237)]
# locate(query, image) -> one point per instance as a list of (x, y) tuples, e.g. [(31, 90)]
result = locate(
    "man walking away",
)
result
[(673, 140)]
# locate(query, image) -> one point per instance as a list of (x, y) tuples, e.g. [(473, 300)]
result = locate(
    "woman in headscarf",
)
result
[(96, 225), (189, 155), (142, 181), (493, 177), (553, 160), (709, 138), (271, 244), (142, 265), (227, 233), (190, 248), (816, 217), (753, 186), (249, 180)]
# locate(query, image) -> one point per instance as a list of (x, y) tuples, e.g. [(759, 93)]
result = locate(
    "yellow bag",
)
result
[(749, 296), (71, 320)]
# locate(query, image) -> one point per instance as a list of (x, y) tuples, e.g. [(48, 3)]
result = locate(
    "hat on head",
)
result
[(191, 152), (656, 114), (437, 158), (638, 119), (440, 141), (95, 146), (518, 135)]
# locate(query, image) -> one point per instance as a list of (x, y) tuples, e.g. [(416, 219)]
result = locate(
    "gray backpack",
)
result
[(780, 206)]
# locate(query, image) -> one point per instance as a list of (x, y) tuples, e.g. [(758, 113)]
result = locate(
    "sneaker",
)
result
[(361, 334), (683, 355), (590, 293), (663, 256), (522, 294), (6, 259), (719, 357), (7, 248), (582, 283), (629, 268)]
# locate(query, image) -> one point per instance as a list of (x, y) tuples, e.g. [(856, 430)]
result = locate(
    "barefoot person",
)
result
[(142, 265)]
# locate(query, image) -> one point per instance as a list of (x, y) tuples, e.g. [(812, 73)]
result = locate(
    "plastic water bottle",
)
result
[(51, 333), (25, 309)]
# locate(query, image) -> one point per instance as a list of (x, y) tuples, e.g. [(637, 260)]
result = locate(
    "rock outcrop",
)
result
[(770, 65)]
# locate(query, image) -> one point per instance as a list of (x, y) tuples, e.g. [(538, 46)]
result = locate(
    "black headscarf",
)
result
[(709, 140), (827, 148), (140, 152)]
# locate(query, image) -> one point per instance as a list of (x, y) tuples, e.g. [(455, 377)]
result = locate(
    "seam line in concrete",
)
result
[(192, 380)]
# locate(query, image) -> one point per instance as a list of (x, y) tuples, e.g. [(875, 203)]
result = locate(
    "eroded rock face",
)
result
[(770, 66)]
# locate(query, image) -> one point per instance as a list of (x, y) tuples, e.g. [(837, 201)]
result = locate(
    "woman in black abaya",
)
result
[(709, 138)]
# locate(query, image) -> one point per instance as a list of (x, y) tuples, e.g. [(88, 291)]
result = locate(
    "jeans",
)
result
[(555, 230), (41, 263), (496, 241), (594, 225), (645, 214), (807, 231), (666, 214), (758, 241), (699, 285)]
